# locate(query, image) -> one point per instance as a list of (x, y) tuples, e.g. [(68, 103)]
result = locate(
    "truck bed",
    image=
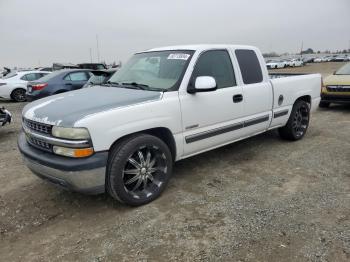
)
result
[(280, 75), (292, 86)]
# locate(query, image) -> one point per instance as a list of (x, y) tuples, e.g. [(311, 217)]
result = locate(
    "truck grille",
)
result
[(338, 88), (39, 144), (38, 127)]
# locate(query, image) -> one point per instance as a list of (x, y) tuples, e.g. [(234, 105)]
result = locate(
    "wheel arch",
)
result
[(162, 133), (306, 98)]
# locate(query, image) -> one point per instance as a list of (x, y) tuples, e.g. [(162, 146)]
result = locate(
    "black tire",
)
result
[(298, 122), (324, 104), (19, 95), (136, 180)]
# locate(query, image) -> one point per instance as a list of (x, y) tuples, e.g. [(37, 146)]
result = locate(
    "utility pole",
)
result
[(98, 50), (301, 49), (90, 56)]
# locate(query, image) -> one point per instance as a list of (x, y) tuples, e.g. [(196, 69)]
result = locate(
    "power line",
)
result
[(98, 50)]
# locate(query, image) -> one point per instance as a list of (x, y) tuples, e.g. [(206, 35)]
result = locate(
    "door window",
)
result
[(76, 76), (215, 63), (30, 77)]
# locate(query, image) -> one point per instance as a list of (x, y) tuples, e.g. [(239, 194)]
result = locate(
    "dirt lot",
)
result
[(262, 199)]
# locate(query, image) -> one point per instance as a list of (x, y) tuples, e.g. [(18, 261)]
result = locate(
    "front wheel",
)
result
[(298, 122), (139, 169)]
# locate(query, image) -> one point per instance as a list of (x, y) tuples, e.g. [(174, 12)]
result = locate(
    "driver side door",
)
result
[(211, 119)]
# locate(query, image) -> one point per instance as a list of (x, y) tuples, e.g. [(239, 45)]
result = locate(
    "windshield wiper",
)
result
[(110, 83), (137, 85)]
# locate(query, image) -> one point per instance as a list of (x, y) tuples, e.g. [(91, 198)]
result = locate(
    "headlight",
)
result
[(73, 152), (70, 133)]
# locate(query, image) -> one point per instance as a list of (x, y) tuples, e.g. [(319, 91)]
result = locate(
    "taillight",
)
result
[(39, 86), (323, 88)]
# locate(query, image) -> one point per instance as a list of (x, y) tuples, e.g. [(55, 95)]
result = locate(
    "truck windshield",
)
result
[(160, 70), (344, 70)]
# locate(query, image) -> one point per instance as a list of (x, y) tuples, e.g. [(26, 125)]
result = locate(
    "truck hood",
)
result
[(337, 80), (67, 108)]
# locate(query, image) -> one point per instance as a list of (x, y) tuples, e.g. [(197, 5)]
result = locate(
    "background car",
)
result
[(14, 85), (100, 77), (308, 59), (340, 58), (49, 69), (93, 66), (336, 87), (285, 62), (58, 82), (273, 64), (295, 62), (5, 116)]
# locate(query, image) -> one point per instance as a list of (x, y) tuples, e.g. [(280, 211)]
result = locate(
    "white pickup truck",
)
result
[(164, 105)]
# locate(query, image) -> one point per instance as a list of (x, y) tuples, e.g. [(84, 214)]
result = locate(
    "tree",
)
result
[(308, 51)]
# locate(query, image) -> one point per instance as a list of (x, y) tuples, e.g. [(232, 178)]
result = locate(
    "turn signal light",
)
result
[(39, 86), (83, 152), (73, 152)]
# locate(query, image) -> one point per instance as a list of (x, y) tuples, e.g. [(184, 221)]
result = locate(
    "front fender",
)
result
[(106, 127)]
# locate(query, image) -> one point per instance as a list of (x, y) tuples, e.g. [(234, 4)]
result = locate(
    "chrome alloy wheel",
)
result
[(19, 95), (301, 120), (144, 172)]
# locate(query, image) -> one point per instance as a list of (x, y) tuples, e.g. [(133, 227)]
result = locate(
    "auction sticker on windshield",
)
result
[(179, 56)]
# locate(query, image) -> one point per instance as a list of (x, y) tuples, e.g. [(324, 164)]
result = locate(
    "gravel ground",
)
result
[(261, 199)]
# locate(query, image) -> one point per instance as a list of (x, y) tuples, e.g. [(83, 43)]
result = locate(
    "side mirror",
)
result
[(203, 84)]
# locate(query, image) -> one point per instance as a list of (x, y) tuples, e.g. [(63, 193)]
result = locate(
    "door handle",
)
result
[(237, 98), (68, 84)]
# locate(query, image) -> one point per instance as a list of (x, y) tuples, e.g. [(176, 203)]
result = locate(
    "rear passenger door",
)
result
[(76, 80), (257, 92)]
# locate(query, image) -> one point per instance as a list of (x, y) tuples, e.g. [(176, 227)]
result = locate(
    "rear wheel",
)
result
[(324, 104), (298, 122), (139, 169), (19, 95)]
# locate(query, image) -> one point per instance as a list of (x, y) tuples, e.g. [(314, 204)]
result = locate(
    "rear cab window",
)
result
[(250, 66)]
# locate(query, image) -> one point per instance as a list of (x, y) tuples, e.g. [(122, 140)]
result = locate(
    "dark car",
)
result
[(57, 82), (5, 116), (93, 66), (100, 77), (308, 60), (45, 69), (60, 66)]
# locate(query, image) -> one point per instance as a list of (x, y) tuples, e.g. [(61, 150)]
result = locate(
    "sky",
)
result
[(40, 32)]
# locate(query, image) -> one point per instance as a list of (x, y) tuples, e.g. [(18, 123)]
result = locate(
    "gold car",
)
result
[(336, 87)]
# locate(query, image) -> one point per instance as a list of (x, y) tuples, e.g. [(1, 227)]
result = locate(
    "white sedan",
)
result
[(14, 85), (295, 62), (271, 64)]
